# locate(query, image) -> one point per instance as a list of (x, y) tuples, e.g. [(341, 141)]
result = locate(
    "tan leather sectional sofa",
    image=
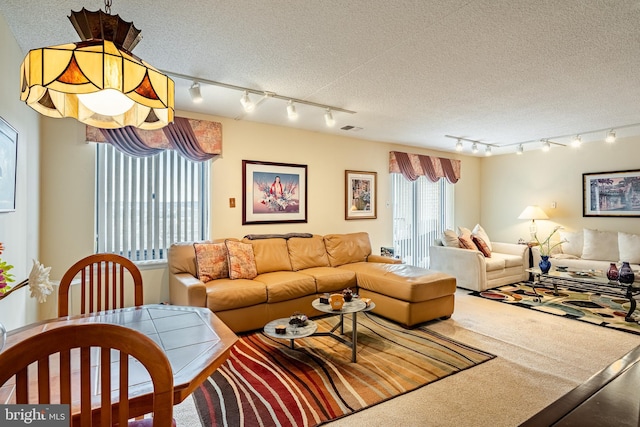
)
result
[(294, 271)]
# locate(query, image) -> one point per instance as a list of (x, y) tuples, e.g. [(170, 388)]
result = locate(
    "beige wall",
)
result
[(511, 182), (19, 230)]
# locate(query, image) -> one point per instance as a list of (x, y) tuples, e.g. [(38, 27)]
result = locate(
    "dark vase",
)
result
[(625, 275), (612, 273), (545, 264)]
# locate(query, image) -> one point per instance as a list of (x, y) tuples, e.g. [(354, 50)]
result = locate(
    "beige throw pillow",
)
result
[(629, 247), (572, 242), (600, 245), (450, 239), (478, 231)]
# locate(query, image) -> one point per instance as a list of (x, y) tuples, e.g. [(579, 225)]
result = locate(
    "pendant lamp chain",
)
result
[(107, 6)]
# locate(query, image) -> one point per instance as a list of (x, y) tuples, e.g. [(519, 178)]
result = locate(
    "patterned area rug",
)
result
[(266, 383), (603, 310)]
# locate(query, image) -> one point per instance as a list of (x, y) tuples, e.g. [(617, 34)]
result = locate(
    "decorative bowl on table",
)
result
[(298, 319)]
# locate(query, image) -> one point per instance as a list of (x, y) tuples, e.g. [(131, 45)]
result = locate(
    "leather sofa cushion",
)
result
[(270, 254), (307, 252), (329, 279), (227, 294), (287, 285), (347, 248), (402, 281)]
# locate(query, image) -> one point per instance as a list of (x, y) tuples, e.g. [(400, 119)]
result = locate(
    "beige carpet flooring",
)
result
[(540, 358)]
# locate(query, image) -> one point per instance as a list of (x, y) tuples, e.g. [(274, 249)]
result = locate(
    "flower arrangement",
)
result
[(38, 280), (545, 246), (278, 203)]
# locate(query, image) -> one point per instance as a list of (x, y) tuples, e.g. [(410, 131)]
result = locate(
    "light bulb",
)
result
[(576, 141), (194, 91), (291, 111), (546, 146), (107, 102), (246, 102), (459, 145), (474, 148), (520, 149), (487, 151), (328, 118), (611, 137)]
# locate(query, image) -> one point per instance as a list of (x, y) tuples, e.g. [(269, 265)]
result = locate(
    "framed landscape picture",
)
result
[(8, 161), (611, 194), (273, 192), (360, 191)]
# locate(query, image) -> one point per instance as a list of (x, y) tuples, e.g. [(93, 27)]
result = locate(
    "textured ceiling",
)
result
[(496, 71)]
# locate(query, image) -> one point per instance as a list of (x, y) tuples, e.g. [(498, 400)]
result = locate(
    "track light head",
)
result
[(328, 118), (545, 145), (487, 151), (520, 149), (246, 102), (291, 111), (611, 137), (459, 145), (474, 148), (194, 91), (576, 141)]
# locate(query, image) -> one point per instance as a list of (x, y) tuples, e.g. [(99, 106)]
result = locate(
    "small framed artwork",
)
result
[(273, 192), (360, 194), (611, 194), (8, 162)]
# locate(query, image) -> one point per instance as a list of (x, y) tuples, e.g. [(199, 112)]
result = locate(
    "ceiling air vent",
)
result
[(352, 128)]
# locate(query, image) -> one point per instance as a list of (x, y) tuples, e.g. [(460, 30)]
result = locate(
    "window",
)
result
[(422, 210), (144, 204)]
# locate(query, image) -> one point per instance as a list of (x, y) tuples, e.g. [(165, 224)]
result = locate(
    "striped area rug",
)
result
[(266, 383)]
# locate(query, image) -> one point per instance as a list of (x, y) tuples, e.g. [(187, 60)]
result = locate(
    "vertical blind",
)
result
[(146, 203), (422, 210)]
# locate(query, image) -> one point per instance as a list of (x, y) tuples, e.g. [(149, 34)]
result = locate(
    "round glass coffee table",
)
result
[(352, 307), (293, 332)]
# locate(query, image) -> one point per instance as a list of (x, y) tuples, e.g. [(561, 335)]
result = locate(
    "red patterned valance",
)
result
[(412, 166), (197, 140)]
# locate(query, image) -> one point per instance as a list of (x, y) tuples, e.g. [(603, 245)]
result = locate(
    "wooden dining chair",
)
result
[(103, 278), (73, 377)]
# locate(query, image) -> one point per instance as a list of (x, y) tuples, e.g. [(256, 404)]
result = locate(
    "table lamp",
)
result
[(533, 212)]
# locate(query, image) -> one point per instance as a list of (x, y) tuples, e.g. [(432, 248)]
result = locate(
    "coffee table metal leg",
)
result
[(632, 301), (354, 336)]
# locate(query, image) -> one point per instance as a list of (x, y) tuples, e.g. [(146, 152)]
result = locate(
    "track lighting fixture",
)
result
[(611, 137), (520, 149), (487, 151), (474, 148), (328, 118), (246, 102), (291, 111), (545, 145), (194, 91), (576, 141), (459, 145)]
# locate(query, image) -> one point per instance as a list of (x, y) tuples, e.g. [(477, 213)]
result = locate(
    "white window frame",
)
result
[(173, 195)]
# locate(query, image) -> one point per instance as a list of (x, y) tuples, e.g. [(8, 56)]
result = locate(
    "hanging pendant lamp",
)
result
[(98, 81)]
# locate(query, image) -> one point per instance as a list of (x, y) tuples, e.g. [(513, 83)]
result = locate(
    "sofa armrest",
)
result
[(466, 265), (383, 259), (185, 289)]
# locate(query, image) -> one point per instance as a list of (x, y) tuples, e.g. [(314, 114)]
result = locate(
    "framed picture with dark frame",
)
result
[(273, 192), (360, 195), (8, 168), (615, 194)]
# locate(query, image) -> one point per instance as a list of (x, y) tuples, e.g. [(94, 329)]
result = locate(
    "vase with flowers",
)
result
[(38, 282), (545, 248)]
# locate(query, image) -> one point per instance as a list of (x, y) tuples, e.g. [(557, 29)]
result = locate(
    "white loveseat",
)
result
[(588, 249), (475, 271)]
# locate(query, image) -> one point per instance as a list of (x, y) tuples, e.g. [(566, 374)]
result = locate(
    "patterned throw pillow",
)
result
[(211, 261), (466, 243), (242, 263), (482, 246)]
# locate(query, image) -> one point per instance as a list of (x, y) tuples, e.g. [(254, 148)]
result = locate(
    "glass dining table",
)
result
[(194, 339)]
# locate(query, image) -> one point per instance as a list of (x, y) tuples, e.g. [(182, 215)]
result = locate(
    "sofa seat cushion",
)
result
[(402, 281), (508, 260), (227, 294), (287, 285), (329, 279), (495, 263)]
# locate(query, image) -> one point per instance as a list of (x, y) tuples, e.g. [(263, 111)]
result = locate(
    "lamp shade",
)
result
[(533, 212), (97, 81)]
